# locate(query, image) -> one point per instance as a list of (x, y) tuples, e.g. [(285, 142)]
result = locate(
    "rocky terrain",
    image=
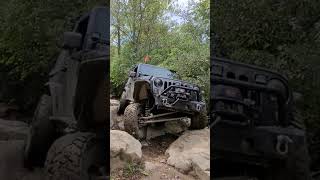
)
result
[(171, 153), (163, 156)]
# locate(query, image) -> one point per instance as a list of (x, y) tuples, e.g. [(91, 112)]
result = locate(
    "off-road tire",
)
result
[(131, 117), (295, 168), (199, 120), (41, 134), (72, 155)]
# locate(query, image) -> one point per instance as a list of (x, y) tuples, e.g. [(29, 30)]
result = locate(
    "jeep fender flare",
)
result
[(141, 90)]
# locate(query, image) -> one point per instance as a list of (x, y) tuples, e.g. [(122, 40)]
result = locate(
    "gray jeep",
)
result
[(67, 134), (154, 95)]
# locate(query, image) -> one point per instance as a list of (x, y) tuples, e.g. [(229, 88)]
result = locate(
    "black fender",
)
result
[(141, 91)]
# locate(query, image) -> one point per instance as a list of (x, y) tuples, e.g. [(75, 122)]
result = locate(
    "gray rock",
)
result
[(123, 149), (154, 132), (11, 162), (13, 130), (116, 122), (11, 158), (190, 153), (5, 109), (176, 127)]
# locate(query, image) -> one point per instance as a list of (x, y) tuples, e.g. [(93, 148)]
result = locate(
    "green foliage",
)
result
[(141, 28), (134, 169), (280, 35), (118, 74), (29, 34)]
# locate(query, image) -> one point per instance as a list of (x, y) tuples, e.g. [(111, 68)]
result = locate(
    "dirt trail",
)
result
[(155, 160), (153, 154), (155, 167), (11, 159)]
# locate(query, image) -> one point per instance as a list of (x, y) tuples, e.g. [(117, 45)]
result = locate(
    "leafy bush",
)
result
[(29, 34)]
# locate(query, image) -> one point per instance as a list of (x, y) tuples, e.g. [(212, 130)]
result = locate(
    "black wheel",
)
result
[(131, 117), (296, 167), (199, 120), (76, 156), (41, 134)]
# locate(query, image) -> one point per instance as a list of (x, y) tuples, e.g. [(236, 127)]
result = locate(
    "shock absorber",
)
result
[(146, 108)]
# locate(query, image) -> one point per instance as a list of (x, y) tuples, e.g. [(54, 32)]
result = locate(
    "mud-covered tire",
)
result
[(199, 120), (131, 118), (41, 134), (74, 156)]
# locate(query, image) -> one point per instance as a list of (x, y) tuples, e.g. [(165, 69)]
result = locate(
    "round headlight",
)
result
[(158, 82), (279, 86)]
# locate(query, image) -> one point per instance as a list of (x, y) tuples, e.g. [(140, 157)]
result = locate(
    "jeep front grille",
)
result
[(169, 83), (169, 89), (245, 91)]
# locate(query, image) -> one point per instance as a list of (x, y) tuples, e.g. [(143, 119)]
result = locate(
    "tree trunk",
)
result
[(119, 39)]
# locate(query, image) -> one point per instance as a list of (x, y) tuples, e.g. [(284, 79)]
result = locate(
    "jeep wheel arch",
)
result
[(141, 90)]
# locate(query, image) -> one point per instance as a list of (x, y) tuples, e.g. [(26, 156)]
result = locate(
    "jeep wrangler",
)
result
[(67, 133), (155, 95), (254, 130)]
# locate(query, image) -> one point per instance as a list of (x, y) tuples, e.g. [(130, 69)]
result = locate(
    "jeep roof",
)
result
[(156, 71)]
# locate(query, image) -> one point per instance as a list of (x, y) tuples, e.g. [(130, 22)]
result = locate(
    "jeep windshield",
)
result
[(150, 70)]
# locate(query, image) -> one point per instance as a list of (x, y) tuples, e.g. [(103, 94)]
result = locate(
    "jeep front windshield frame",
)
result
[(150, 70)]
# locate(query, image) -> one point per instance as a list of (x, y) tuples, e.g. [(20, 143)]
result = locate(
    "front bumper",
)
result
[(179, 101), (254, 145)]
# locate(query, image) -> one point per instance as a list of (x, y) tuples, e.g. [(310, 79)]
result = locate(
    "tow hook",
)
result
[(282, 146), (198, 107)]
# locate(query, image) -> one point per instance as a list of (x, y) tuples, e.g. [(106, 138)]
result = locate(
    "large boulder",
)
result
[(190, 153), (8, 111), (13, 130), (11, 158), (11, 162), (123, 149)]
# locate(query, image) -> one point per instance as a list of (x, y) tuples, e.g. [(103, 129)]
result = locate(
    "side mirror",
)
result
[(132, 74), (71, 40)]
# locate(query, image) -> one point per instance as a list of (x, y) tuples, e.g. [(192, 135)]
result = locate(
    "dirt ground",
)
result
[(155, 158), (155, 167)]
